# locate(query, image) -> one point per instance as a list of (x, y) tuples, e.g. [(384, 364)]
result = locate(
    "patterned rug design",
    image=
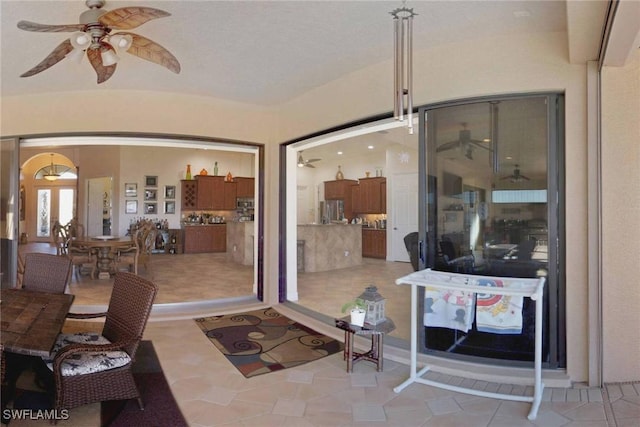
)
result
[(262, 341)]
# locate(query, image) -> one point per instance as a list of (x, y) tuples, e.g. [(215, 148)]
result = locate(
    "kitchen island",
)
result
[(240, 242), (331, 246)]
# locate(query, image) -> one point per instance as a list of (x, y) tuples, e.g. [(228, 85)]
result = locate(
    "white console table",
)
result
[(530, 288)]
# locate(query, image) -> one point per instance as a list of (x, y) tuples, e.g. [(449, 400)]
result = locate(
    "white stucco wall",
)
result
[(474, 68), (621, 221)]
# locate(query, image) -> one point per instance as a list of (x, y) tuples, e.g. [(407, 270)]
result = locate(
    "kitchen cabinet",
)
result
[(229, 196), (374, 243), (338, 190), (205, 238), (189, 194), (245, 188), (371, 196), (210, 192), (341, 190)]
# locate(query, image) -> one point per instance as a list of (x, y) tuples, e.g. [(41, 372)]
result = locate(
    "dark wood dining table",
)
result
[(105, 246), (32, 320)]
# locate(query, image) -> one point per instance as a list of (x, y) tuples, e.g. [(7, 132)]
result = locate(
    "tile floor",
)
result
[(211, 392)]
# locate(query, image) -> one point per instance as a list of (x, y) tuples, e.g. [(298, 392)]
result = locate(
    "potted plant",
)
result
[(358, 310)]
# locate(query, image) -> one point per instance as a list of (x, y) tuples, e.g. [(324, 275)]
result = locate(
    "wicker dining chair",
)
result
[(46, 272), (88, 367)]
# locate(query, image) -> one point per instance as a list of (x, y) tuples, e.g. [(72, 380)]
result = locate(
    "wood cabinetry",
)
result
[(371, 196), (205, 238), (341, 190), (246, 187), (189, 194), (229, 196), (213, 193), (210, 193), (374, 243), (338, 190)]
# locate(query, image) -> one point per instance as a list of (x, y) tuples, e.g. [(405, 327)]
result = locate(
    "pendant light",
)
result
[(51, 174)]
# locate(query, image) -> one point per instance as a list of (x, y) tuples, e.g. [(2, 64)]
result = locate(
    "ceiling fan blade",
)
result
[(313, 160), (151, 51), (447, 146), (58, 54), (126, 18), (44, 28), (103, 72), (480, 145), (309, 165)]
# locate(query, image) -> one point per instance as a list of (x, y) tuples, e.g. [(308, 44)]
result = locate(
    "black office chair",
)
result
[(411, 243), (525, 249), (450, 261)]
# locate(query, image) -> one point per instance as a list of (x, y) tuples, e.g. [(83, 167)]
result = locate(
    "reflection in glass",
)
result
[(489, 160)]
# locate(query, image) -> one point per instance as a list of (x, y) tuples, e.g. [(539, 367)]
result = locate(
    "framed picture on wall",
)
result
[(131, 189), (169, 191), (169, 207), (150, 181), (150, 194), (131, 207), (150, 208)]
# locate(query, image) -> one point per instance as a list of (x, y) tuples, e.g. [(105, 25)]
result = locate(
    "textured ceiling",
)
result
[(256, 52)]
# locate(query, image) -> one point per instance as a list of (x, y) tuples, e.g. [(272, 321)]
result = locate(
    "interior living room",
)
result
[(525, 129)]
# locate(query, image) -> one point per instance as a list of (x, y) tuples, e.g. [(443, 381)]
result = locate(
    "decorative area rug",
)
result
[(262, 341)]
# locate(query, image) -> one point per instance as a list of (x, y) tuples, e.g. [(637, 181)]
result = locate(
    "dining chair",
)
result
[(20, 271), (147, 244), (60, 238), (81, 256), (91, 367), (128, 255), (46, 272)]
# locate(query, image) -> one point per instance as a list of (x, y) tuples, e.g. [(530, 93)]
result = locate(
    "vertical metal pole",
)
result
[(410, 74), (400, 63), (396, 71)]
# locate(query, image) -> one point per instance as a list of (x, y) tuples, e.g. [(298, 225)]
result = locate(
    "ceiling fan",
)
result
[(516, 176), (306, 163), (93, 36), (464, 143)]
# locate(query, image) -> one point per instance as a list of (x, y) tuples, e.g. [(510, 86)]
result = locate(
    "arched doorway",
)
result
[(48, 193)]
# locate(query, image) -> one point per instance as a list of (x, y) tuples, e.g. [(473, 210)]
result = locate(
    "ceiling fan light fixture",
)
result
[(121, 41), (80, 40), (76, 55), (109, 57)]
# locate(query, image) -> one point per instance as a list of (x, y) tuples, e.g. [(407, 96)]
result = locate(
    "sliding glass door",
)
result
[(493, 194)]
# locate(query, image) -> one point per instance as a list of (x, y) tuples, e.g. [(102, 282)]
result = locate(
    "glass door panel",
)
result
[(53, 204), (488, 213)]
